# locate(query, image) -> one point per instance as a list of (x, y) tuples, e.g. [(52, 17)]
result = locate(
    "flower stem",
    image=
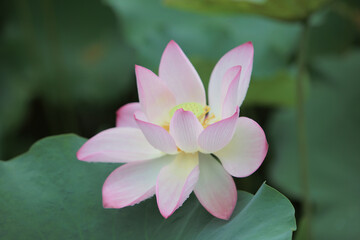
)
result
[(301, 128)]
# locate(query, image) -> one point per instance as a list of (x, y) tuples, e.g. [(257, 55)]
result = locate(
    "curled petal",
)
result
[(118, 145), (218, 135), (240, 56), (215, 188), (230, 102), (185, 128), (216, 103), (132, 183), (246, 151), (180, 76), (155, 97), (176, 181), (125, 115), (157, 136)]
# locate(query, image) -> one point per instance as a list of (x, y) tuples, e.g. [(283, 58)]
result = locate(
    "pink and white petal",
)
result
[(217, 101), (155, 97), (242, 55), (132, 182), (118, 145), (246, 151), (244, 84), (185, 129), (176, 181), (125, 115), (157, 136), (228, 78), (180, 75), (217, 135), (215, 188), (230, 99)]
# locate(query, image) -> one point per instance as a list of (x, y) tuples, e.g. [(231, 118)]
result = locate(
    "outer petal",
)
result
[(125, 115), (230, 99), (241, 55), (215, 189), (118, 145), (185, 128), (219, 134), (132, 183), (155, 97), (180, 75), (247, 149), (176, 181), (156, 135)]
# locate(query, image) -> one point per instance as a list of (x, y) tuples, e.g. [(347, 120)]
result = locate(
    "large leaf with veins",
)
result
[(47, 193)]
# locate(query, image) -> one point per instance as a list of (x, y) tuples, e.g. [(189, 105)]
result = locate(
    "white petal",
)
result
[(155, 97), (176, 181), (217, 101), (185, 128), (118, 145), (157, 136), (218, 135), (180, 76), (125, 115), (132, 182), (230, 99), (215, 188), (247, 149), (240, 56)]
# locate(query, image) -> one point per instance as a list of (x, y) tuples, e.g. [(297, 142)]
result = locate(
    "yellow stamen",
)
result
[(208, 120), (201, 112), (194, 107), (166, 126)]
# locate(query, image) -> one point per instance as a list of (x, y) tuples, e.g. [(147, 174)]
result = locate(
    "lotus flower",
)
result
[(170, 141)]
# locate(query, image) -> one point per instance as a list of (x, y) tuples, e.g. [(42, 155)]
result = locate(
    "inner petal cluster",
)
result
[(201, 112)]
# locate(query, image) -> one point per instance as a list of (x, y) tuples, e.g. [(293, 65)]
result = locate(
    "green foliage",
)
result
[(59, 54), (333, 141), (47, 193), (333, 31), (290, 10), (61, 60), (149, 26), (278, 90)]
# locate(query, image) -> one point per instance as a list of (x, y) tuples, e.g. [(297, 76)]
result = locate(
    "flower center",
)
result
[(194, 107), (200, 111)]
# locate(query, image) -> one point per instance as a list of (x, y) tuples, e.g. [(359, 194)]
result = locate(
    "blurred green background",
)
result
[(67, 66)]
